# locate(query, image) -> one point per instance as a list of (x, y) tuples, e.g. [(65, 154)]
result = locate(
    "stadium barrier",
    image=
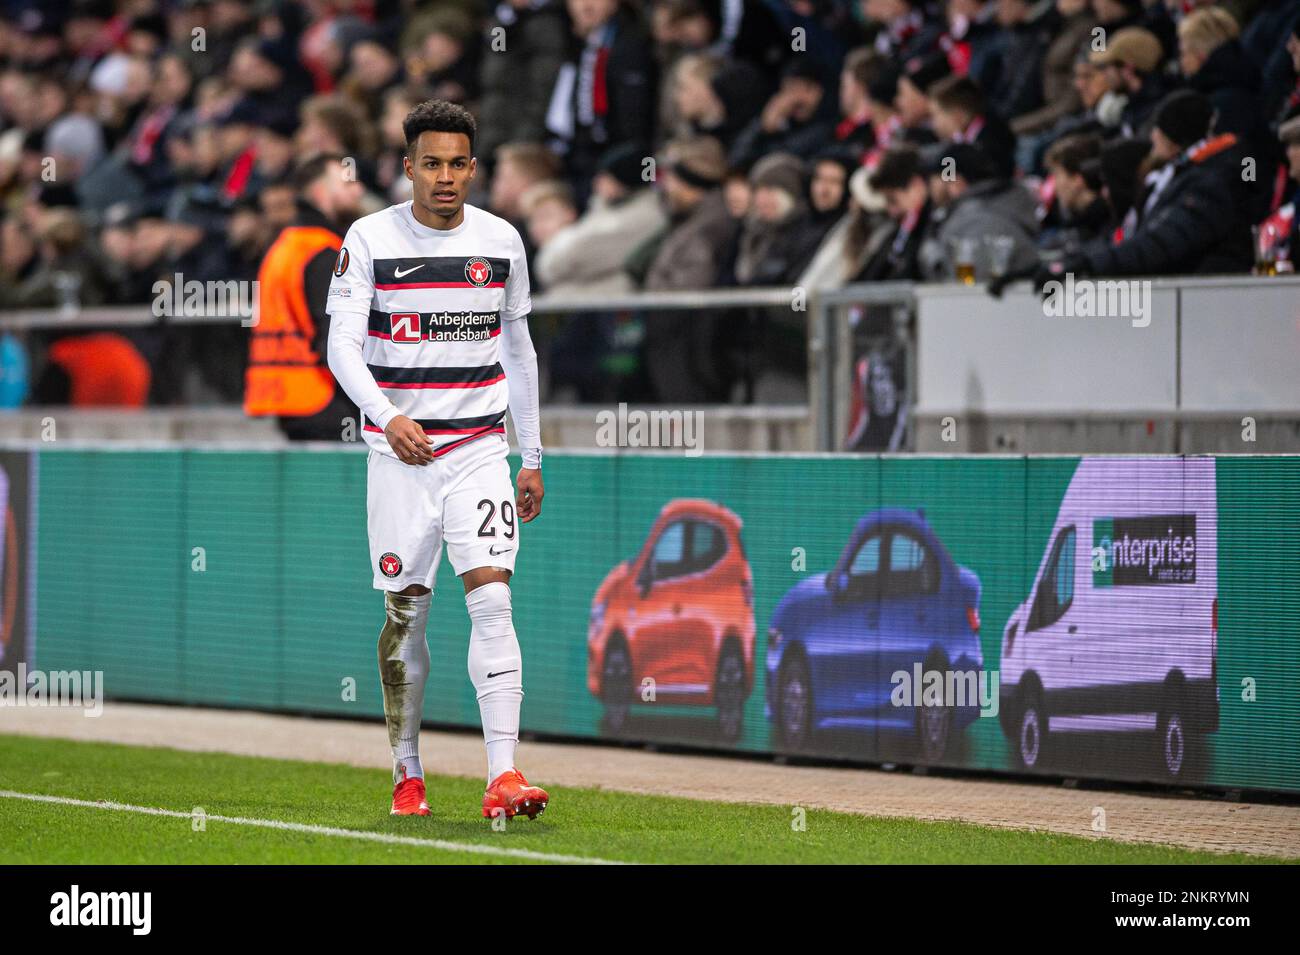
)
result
[(1120, 618), (1188, 364), (720, 427), (1180, 365), (782, 422)]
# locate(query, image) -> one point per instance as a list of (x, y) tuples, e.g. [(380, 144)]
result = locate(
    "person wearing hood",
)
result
[(854, 239), (828, 202), (1193, 217), (828, 187), (797, 119), (778, 238), (717, 97), (779, 234), (1214, 63), (977, 207)]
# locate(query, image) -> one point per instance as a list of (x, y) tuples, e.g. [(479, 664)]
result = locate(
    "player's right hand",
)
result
[(408, 441)]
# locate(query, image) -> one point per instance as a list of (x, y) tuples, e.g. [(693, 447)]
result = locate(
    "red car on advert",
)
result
[(676, 623)]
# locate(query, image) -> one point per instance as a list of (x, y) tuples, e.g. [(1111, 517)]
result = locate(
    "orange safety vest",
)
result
[(285, 374)]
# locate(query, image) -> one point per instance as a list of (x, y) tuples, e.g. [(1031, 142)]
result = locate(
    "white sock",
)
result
[(403, 671), (495, 667), (408, 767), (501, 757)]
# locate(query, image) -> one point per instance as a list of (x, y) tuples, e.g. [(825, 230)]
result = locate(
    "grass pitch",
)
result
[(273, 811)]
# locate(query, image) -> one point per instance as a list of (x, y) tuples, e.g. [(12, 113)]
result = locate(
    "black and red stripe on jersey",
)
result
[(437, 377), (460, 430), (441, 271)]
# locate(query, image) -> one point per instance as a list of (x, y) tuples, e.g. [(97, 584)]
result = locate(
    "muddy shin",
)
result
[(403, 669)]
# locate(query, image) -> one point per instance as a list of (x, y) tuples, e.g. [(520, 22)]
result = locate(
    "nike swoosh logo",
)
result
[(398, 273), (497, 553), (491, 675)]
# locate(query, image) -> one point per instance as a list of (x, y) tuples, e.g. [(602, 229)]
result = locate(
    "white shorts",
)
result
[(465, 497)]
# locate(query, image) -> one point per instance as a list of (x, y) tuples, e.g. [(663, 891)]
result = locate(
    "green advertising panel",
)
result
[(1128, 618)]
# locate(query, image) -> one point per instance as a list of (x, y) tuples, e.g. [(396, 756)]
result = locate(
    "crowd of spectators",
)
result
[(661, 145)]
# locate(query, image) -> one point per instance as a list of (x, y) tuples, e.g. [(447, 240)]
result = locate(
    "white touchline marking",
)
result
[(317, 830)]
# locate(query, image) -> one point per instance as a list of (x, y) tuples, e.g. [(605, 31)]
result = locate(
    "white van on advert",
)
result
[(1120, 631)]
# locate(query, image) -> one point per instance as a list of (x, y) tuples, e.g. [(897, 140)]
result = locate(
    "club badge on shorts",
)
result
[(390, 565), (478, 272)]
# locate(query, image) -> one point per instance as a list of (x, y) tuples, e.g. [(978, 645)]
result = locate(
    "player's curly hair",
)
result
[(438, 116)]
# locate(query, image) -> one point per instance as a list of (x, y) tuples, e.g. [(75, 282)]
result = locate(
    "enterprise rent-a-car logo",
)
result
[(1155, 549), (103, 908)]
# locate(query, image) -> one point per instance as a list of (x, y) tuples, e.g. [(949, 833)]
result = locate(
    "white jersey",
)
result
[(433, 302)]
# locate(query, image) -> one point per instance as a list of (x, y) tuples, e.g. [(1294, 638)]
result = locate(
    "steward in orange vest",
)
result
[(287, 372)]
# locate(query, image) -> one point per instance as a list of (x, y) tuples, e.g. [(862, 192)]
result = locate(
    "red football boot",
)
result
[(513, 794), (408, 797)]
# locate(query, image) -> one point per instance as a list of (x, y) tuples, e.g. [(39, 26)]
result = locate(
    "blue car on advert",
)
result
[(842, 645)]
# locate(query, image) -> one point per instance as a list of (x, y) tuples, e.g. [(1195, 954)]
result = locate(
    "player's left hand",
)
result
[(528, 503)]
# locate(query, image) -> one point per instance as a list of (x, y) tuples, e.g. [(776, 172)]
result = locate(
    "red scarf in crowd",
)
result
[(150, 129)]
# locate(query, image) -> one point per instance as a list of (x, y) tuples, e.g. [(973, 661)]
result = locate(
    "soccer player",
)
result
[(429, 336)]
